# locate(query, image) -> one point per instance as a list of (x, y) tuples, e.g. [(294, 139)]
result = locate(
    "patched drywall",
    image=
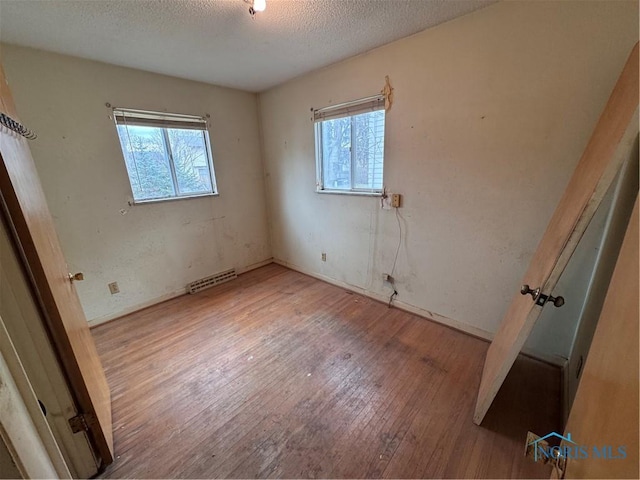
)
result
[(152, 250), (491, 113)]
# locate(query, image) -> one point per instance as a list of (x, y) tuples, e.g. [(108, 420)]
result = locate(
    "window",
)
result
[(167, 155), (350, 146)]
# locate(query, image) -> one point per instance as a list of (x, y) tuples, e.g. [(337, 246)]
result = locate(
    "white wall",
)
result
[(492, 112), (151, 250)]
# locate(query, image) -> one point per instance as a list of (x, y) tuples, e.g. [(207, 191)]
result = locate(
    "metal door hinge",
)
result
[(81, 422)]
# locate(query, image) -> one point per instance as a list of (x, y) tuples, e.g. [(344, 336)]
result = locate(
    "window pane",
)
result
[(368, 150), (336, 153), (190, 160), (147, 162)]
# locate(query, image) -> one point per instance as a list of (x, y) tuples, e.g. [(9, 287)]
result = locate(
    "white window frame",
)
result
[(163, 120), (347, 109)]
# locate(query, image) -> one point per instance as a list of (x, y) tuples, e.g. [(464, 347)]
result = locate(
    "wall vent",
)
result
[(212, 280)]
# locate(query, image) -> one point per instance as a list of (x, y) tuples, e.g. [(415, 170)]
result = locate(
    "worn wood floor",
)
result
[(277, 374)]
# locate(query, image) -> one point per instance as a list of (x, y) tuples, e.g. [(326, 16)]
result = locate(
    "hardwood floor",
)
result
[(277, 374)]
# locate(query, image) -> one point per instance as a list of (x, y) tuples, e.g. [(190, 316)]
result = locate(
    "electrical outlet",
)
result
[(324, 257), (396, 200), (113, 288)]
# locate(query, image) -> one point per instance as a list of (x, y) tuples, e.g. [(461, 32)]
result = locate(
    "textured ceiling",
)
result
[(217, 41)]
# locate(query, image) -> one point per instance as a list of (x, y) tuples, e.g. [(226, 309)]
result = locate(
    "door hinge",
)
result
[(81, 422)]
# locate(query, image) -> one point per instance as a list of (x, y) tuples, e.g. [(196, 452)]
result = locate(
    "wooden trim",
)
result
[(94, 322), (457, 325), (400, 305), (407, 307)]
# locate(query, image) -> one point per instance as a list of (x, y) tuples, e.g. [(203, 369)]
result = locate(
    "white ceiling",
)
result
[(217, 41)]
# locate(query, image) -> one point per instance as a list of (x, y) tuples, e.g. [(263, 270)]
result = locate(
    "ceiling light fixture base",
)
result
[(256, 6)]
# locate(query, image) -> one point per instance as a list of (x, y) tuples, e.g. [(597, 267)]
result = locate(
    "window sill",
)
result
[(351, 192), (171, 199)]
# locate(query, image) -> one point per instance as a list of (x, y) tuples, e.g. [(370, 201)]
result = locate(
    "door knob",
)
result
[(526, 290), (76, 276), (557, 301), (541, 299)]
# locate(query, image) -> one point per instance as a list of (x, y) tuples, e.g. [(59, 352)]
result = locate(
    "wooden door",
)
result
[(27, 332), (605, 410), (32, 226), (609, 146)]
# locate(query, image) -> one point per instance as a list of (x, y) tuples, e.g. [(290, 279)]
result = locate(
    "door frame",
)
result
[(23, 427), (23, 320), (605, 410), (625, 191)]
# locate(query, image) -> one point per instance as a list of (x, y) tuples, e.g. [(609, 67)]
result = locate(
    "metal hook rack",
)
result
[(17, 127)]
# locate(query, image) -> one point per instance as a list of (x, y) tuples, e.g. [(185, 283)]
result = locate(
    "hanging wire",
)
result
[(17, 127), (395, 260)]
